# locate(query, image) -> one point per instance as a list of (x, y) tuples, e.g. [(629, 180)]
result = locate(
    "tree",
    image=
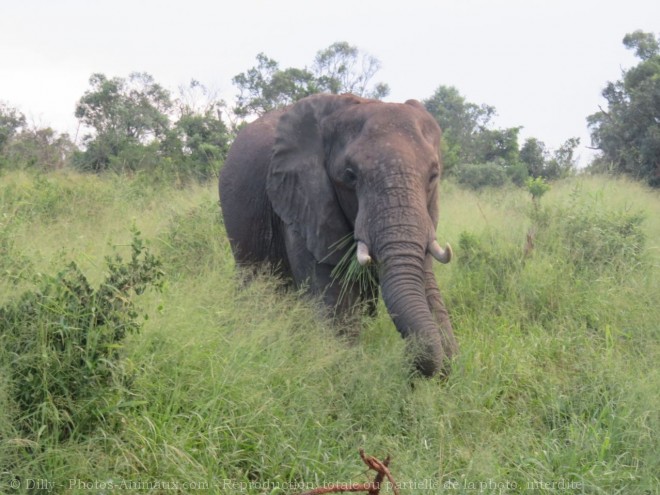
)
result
[(29, 146), (469, 139), (480, 155), (135, 108), (498, 145), (40, 148), (11, 121), (266, 87), (627, 133), (534, 155), (457, 115), (136, 125), (460, 122), (646, 46), (563, 160), (541, 162), (199, 140), (340, 68), (124, 115)]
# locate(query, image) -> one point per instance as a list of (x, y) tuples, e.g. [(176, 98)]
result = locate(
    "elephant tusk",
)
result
[(363, 254), (442, 255)]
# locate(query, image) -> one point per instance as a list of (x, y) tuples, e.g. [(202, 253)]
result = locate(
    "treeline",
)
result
[(133, 124), (478, 154), (129, 125)]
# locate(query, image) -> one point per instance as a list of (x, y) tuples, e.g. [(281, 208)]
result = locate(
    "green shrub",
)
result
[(482, 175), (537, 187), (60, 343), (517, 173)]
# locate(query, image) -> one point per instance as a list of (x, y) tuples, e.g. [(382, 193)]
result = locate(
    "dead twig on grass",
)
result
[(373, 488)]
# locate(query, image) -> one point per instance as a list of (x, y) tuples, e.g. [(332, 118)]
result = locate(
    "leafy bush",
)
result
[(61, 343), (537, 187), (517, 173), (481, 175)]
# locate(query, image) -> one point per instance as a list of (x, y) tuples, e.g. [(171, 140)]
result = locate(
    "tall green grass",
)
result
[(243, 388)]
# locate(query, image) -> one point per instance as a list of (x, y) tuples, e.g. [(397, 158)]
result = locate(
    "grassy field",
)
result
[(240, 388)]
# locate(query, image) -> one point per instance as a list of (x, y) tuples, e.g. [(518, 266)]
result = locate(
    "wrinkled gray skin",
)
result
[(299, 180)]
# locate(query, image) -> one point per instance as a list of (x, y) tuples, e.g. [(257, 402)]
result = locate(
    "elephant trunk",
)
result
[(404, 284)]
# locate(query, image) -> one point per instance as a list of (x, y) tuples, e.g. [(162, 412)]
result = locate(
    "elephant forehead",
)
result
[(393, 150), (406, 138), (396, 176), (402, 118), (391, 122)]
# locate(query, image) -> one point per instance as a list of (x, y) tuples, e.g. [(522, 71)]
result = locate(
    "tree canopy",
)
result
[(266, 87), (343, 68), (199, 139), (121, 115), (24, 145), (627, 132), (480, 154), (340, 68), (461, 122), (541, 162), (11, 121), (134, 123)]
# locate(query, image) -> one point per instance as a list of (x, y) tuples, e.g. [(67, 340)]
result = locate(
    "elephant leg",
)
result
[(439, 311)]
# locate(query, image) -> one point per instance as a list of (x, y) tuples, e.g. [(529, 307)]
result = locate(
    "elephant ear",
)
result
[(298, 184)]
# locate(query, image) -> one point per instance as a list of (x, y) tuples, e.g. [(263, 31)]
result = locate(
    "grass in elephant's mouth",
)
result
[(349, 272)]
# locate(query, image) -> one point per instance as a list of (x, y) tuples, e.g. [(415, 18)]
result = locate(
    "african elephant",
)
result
[(299, 180)]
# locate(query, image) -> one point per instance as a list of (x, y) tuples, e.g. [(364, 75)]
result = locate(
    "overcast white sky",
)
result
[(541, 63)]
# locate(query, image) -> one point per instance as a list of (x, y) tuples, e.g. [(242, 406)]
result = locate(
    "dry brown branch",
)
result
[(529, 244), (382, 472)]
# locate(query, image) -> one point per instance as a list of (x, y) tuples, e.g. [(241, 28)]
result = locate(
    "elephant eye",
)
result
[(350, 176), (435, 173)]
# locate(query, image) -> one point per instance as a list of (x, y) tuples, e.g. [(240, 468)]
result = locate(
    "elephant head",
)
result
[(344, 165)]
